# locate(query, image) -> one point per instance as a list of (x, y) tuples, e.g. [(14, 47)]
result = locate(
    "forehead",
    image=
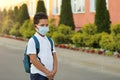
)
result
[(43, 21)]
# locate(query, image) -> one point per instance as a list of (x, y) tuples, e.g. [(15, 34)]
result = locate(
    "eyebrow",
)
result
[(43, 24)]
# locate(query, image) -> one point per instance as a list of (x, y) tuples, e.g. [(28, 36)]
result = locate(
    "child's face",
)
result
[(42, 27)]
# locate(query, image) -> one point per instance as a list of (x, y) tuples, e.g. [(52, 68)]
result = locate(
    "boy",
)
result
[(46, 67)]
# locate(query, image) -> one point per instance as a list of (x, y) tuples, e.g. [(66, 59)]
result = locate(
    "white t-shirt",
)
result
[(44, 54)]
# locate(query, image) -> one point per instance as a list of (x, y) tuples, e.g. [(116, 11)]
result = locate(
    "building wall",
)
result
[(80, 19), (114, 11)]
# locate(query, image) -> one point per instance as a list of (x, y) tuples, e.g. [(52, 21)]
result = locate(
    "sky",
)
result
[(8, 3)]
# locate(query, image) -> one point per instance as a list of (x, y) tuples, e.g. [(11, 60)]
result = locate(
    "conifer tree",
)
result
[(24, 15), (41, 7), (16, 12), (102, 17), (66, 16)]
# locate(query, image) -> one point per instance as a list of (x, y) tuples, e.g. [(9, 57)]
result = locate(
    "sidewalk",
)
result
[(93, 61), (75, 58)]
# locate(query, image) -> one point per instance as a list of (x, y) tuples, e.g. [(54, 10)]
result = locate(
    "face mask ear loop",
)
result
[(36, 28)]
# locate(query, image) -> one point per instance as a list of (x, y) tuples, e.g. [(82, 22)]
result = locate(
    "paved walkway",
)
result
[(78, 59), (95, 61)]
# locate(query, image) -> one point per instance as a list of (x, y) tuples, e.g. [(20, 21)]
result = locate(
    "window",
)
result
[(32, 8), (93, 4), (78, 6), (46, 2), (56, 7)]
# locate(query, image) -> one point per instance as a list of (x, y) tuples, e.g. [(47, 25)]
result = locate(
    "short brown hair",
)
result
[(39, 16)]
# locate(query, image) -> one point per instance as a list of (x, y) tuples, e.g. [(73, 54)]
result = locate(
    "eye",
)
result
[(46, 24), (42, 25)]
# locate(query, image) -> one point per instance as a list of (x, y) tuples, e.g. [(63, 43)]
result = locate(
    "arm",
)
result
[(55, 64), (38, 65)]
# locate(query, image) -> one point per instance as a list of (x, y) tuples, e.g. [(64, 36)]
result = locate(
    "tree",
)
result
[(102, 17), (7, 25), (10, 13), (41, 7), (16, 12), (23, 14), (3, 14), (66, 16)]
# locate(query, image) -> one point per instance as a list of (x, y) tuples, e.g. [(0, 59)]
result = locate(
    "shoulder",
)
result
[(31, 40), (49, 38)]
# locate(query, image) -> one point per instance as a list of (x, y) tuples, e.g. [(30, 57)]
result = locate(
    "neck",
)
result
[(41, 34)]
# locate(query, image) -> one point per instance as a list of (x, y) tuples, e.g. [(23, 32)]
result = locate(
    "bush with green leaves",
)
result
[(88, 40), (27, 29), (117, 43), (96, 38), (77, 39), (65, 32), (52, 28), (15, 30), (58, 38), (107, 42), (115, 29), (89, 29)]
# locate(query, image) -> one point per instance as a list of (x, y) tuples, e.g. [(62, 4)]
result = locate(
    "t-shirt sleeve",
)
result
[(31, 47)]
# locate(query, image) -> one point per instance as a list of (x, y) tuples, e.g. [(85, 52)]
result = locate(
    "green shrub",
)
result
[(15, 30), (52, 28), (96, 38), (88, 40), (66, 30), (27, 29), (107, 42), (89, 29), (58, 38), (77, 39), (115, 29), (117, 43)]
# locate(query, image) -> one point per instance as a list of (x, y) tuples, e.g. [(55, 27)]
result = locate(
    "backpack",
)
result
[(26, 60)]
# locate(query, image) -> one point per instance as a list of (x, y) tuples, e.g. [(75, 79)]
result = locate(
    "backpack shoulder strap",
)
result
[(36, 44), (37, 47), (51, 42)]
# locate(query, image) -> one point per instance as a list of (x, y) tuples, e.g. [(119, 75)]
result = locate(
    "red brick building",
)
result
[(84, 11)]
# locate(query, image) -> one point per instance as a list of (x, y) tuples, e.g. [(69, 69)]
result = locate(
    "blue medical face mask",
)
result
[(43, 29)]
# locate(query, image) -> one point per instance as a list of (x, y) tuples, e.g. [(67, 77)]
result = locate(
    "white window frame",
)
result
[(32, 7), (46, 2), (78, 6), (93, 3), (56, 7)]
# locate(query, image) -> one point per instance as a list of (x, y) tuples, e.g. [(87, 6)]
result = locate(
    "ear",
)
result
[(35, 25)]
